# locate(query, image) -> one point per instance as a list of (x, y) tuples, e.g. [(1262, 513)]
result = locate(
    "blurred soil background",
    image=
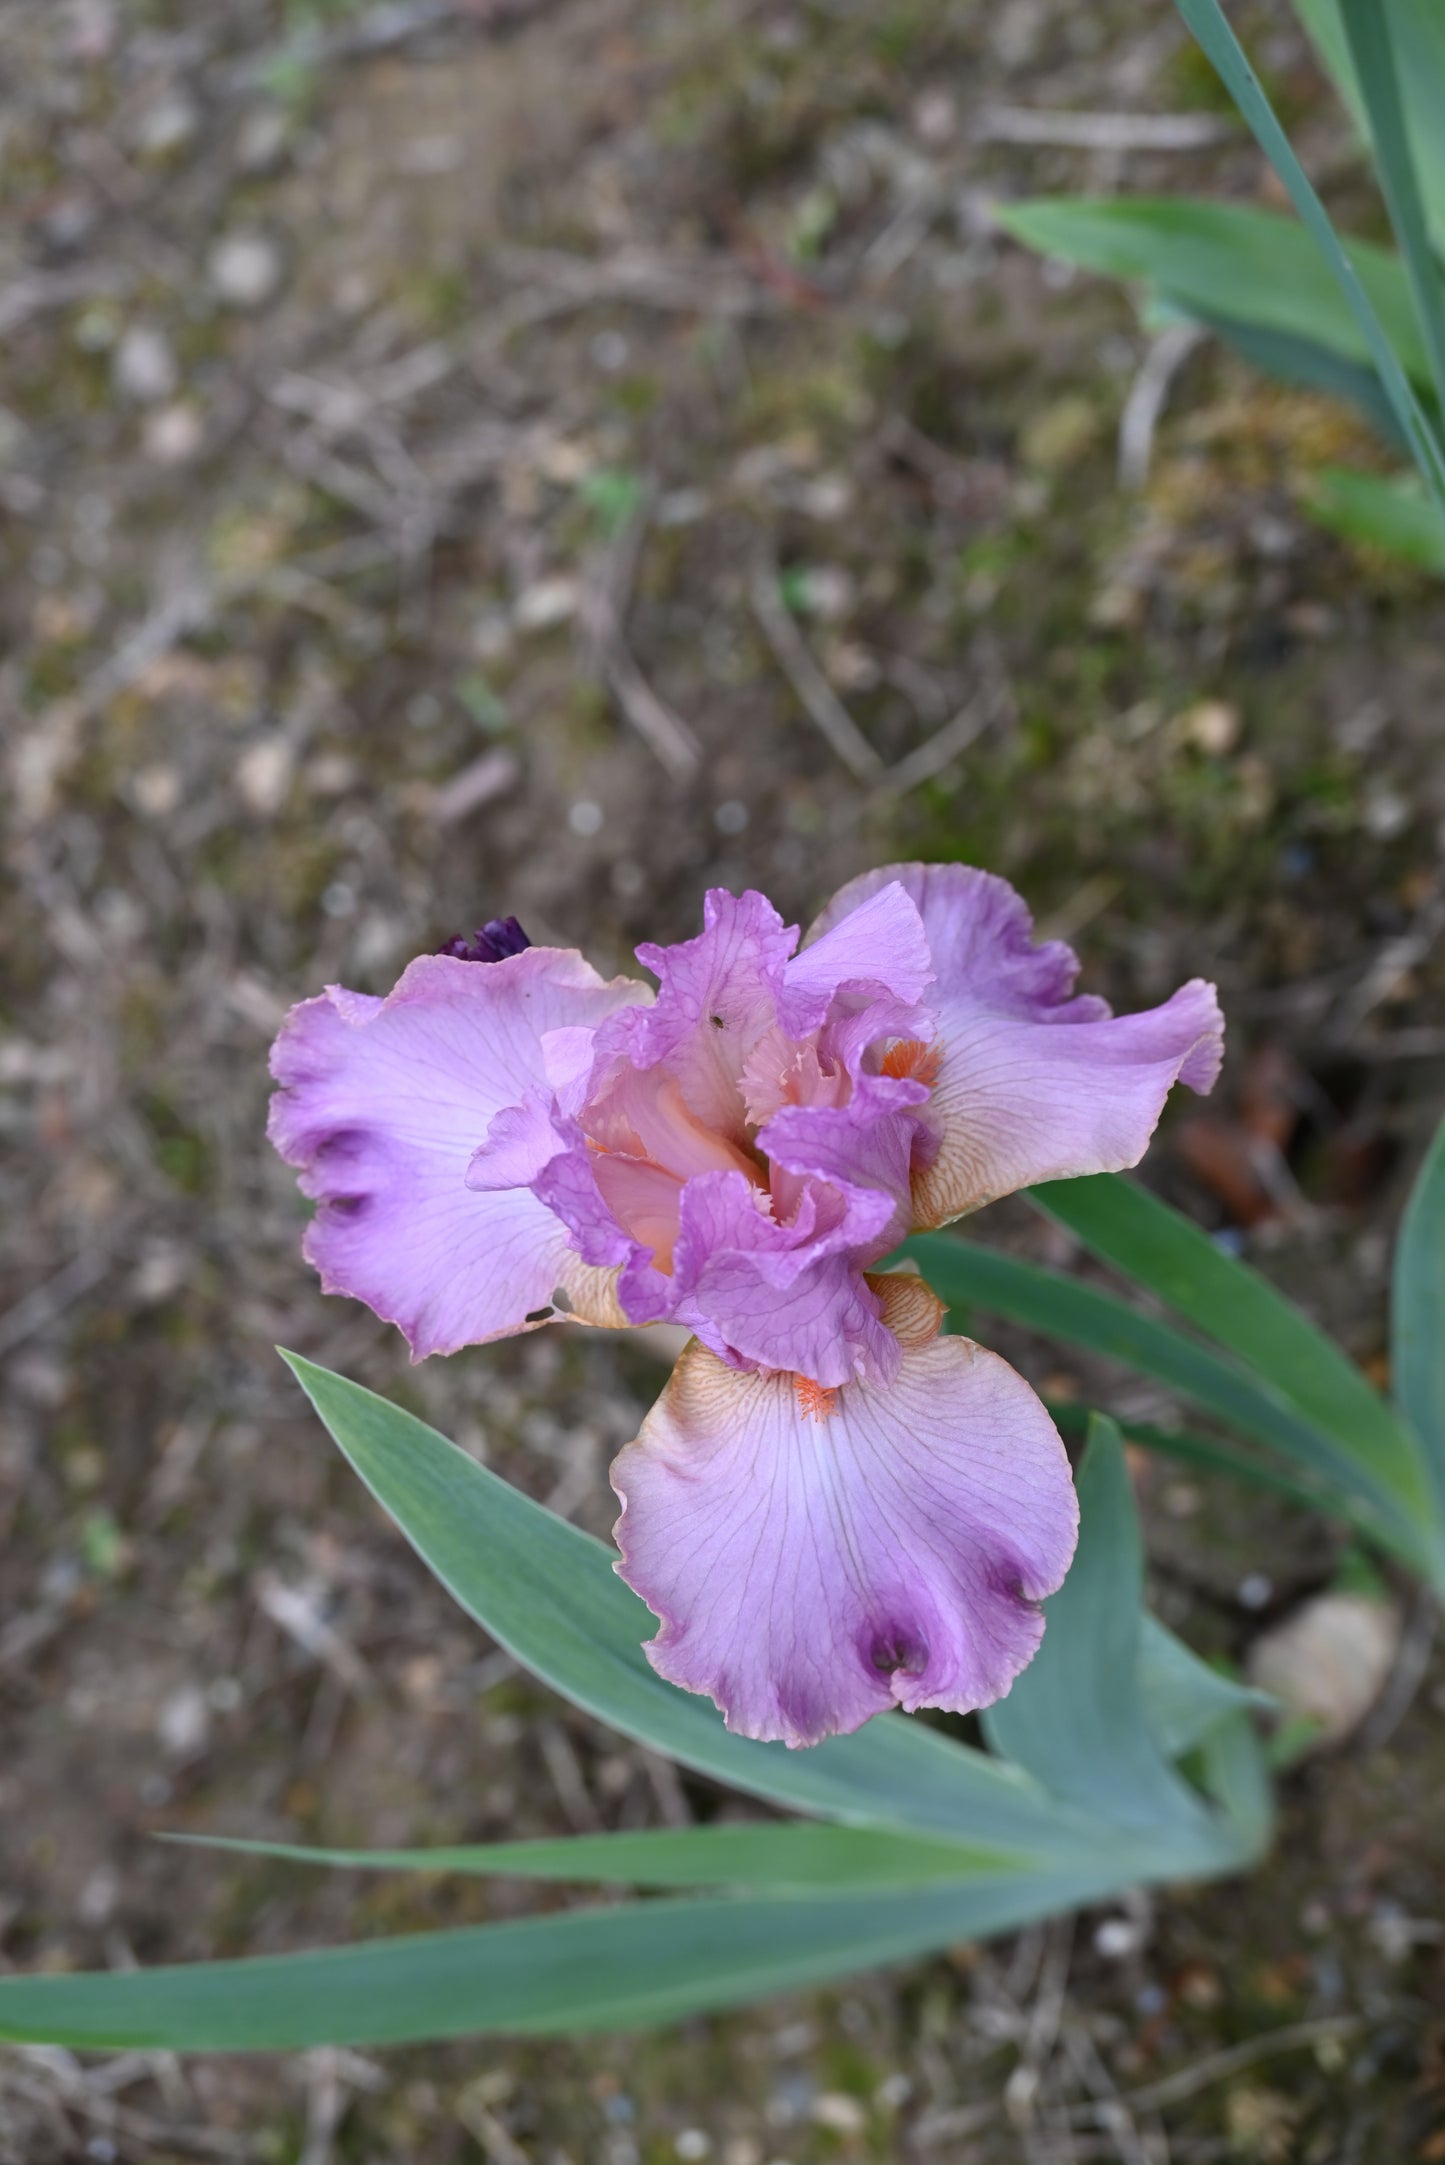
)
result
[(461, 457)]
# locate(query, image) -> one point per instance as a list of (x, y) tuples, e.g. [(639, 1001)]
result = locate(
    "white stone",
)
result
[(184, 1721), (548, 602), (1328, 1662), (245, 269), (144, 365), (173, 434), (263, 774)]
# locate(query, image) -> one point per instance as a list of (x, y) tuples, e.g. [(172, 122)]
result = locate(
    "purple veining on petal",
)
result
[(381, 1106), (816, 1557), (1032, 1082)]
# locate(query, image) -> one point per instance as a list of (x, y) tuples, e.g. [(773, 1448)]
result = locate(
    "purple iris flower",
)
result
[(832, 1509)]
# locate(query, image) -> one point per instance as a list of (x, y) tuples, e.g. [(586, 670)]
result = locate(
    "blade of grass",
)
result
[(1207, 20), (1367, 27), (1417, 1344), (1394, 514), (963, 1272), (595, 1969), (1177, 1262), (1072, 1419), (791, 1854), (548, 1593)]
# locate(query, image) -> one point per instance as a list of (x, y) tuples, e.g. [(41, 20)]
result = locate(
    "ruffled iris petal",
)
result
[(1031, 1083), (817, 1557), (381, 1106)]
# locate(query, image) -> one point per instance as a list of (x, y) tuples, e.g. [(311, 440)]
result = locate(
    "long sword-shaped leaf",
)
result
[(1184, 1698), (1210, 26), (1418, 1320), (1071, 1419), (548, 1593), (1396, 515), (1077, 1718), (793, 1854), (1228, 263), (1418, 29), (1317, 368), (1161, 1250), (599, 1969), (964, 1273), (1372, 47)]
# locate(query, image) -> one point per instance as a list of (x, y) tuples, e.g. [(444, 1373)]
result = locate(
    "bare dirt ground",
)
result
[(460, 459)]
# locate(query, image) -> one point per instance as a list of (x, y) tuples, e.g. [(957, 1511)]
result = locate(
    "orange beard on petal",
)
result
[(816, 1399), (910, 1060)]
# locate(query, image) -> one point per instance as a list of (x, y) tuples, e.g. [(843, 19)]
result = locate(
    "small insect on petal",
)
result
[(815, 1398)]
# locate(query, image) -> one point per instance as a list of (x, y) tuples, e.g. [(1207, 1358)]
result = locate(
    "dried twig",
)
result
[(296, 1611), (44, 1303), (1148, 395), (995, 703), (605, 601), (816, 694), (1100, 131), (1394, 961), (1232, 2060)]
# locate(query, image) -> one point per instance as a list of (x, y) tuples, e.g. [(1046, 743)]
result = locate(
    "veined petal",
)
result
[(1031, 1083), (879, 946), (383, 1103), (816, 1557), (789, 1295), (865, 1145), (717, 996)]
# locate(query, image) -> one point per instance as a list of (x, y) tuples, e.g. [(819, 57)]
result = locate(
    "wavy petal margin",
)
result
[(1032, 1083), (381, 1105), (816, 1557)]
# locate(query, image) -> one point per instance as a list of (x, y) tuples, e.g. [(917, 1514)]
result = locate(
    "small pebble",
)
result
[(841, 2114), (1212, 727), (1328, 1661), (731, 817), (184, 1721), (1387, 814), (549, 602), (143, 366), (610, 351), (585, 818), (827, 592), (263, 774), (173, 435), (156, 790), (166, 125), (245, 269), (262, 138), (1117, 1938)]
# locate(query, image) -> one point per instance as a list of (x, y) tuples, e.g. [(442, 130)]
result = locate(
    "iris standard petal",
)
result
[(381, 1107), (816, 1557), (717, 995), (1031, 1083), (880, 946)]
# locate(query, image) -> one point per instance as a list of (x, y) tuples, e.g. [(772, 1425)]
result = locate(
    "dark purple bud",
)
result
[(493, 942)]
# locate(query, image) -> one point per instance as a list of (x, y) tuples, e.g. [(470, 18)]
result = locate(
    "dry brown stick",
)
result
[(1100, 131), (1148, 394), (1218, 2066), (794, 657), (994, 703), (605, 602)]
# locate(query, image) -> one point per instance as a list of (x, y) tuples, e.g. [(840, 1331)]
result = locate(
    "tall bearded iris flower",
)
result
[(832, 1509)]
